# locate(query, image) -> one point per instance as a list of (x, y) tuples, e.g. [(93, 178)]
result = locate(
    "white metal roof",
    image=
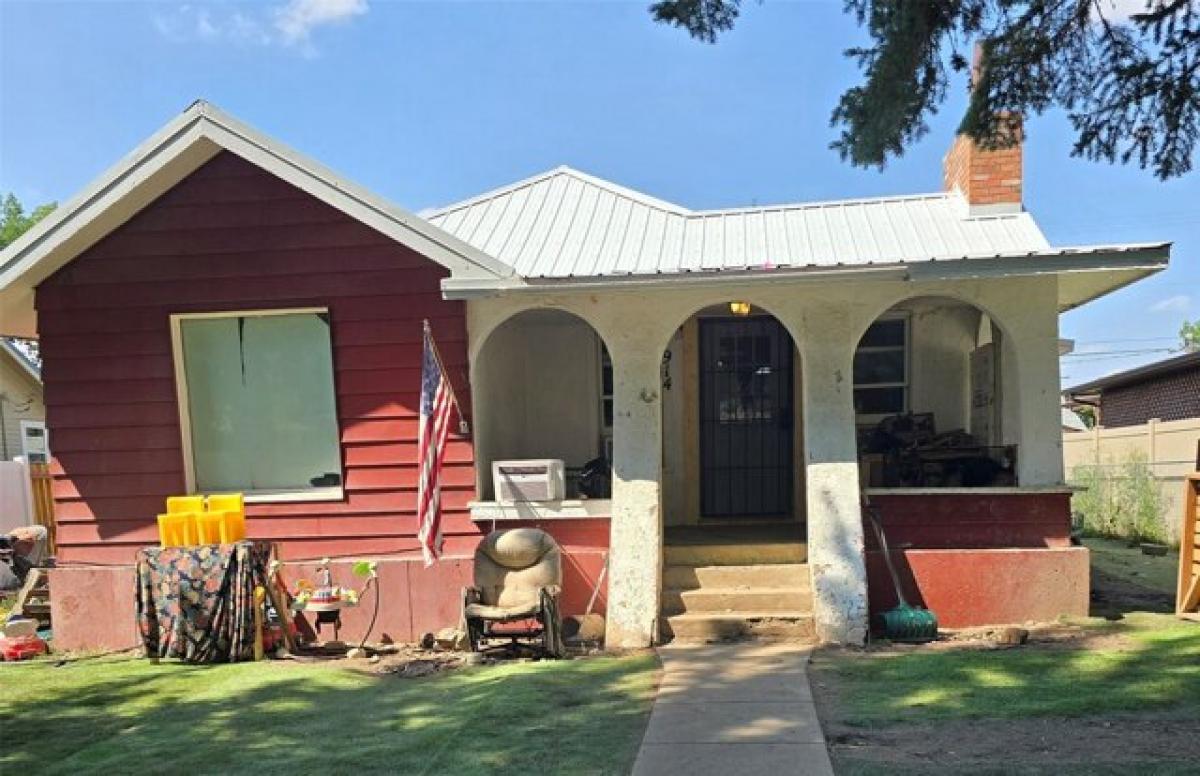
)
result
[(11, 351), (567, 224)]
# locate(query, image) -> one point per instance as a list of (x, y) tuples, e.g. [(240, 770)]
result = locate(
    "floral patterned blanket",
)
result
[(197, 603)]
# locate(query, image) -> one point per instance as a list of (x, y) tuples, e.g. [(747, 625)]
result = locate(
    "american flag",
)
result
[(437, 399)]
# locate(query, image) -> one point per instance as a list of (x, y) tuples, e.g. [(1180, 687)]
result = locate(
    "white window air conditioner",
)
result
[(35, 443), (533, 480)]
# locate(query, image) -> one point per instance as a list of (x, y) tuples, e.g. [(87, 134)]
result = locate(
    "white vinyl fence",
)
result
[(1169, 448), (16, 496)]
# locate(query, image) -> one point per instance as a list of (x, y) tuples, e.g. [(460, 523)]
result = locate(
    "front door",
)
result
[(745, 418)]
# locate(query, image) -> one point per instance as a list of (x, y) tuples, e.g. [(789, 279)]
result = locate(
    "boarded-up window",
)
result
[(258, 402)]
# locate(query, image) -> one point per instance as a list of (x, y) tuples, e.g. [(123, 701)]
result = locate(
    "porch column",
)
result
[(1039, 403), (635, 554), (835, 529)]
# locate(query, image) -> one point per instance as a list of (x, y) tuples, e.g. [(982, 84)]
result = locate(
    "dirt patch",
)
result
[(403, 661), (1018, 746), (1113, 597), (1040, 636), (414, 663)]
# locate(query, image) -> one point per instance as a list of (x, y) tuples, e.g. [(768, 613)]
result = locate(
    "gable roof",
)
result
[(178, 149), (16, 355), (564, 226), (1138, 374)]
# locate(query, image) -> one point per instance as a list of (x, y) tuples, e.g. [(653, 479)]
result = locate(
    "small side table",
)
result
[(328, 613)]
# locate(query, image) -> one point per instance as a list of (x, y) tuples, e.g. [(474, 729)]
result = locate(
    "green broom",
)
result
[(905, 622)]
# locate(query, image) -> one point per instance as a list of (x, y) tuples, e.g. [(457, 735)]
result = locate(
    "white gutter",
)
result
[(1138, 258)]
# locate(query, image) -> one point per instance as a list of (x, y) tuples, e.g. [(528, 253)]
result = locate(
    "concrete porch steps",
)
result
[(772, 575), (725, 602), (729, 600), (767, 626), (735, 554), (736, 581)]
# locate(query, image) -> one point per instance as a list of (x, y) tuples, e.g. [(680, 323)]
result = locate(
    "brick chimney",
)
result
[(990, 179)]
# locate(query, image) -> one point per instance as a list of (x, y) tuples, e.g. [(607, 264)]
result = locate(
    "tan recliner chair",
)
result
[(518, 576)]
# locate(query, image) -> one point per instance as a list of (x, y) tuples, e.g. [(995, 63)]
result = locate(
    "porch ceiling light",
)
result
[(741, 309)]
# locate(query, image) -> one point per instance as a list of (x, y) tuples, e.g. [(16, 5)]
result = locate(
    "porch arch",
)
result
[(537, 392), (692, 434), (951, 362)]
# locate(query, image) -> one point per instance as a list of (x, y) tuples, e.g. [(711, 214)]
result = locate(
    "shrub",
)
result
[(1119, 500)]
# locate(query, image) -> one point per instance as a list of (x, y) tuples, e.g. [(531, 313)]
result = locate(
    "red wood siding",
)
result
[(233, 237)]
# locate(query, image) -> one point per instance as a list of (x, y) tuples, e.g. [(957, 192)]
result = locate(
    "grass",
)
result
[(1156, 667), (1116, 559), (124, 715), (1142, 661)]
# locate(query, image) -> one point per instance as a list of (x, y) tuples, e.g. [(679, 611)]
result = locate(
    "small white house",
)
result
[(22, 409)]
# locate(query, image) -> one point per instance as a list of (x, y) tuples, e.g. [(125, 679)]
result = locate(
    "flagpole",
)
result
[(463, 427)]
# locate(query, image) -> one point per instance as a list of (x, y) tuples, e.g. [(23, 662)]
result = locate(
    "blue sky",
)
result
[(426, 103)]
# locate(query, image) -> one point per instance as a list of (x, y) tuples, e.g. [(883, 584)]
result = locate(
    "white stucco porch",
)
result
[(826, 318)]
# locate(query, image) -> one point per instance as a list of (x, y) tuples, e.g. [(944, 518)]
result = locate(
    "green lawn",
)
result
[(1121, 694), (1155, 666), (1117, 559), (125, 715)]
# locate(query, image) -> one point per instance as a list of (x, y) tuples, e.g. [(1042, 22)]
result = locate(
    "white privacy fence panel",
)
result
[(1169, 448)]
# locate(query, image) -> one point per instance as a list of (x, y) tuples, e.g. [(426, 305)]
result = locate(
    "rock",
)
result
[(356, 653), (1011, 637), (583, 629), (473, 659), (374, 659), (19, 627), (451, 639)]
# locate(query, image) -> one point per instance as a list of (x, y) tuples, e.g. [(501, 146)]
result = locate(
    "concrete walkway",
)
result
[(741, 709)]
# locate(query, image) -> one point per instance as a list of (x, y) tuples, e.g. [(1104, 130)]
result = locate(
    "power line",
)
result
[(1127, 339), (1116, 353)]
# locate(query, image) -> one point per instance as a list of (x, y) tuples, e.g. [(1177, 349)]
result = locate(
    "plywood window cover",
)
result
[(336, 493)]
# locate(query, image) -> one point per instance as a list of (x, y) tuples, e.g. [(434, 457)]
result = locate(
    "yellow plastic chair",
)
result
[(179, 504), (221, 527), (177, 529), (234, 506), (210, 528)]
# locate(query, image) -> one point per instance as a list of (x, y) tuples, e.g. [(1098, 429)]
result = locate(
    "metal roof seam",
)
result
[(532, 226)]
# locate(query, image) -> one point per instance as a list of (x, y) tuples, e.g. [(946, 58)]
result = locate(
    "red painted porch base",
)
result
[(93, 607), (971, 587), (963, 519)]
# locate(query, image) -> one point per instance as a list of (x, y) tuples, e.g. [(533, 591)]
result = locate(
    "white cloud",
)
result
[(296, 20), (291, 23), (1172, 304)]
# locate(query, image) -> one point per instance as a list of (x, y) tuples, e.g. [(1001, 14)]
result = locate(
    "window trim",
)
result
[(335, 493), (864, 419), (606, 428)]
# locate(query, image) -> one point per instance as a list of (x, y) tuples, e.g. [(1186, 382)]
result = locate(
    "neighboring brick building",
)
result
[(1166, 390)]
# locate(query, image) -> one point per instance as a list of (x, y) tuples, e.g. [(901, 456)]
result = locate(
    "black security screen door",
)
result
[(745, 418)]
